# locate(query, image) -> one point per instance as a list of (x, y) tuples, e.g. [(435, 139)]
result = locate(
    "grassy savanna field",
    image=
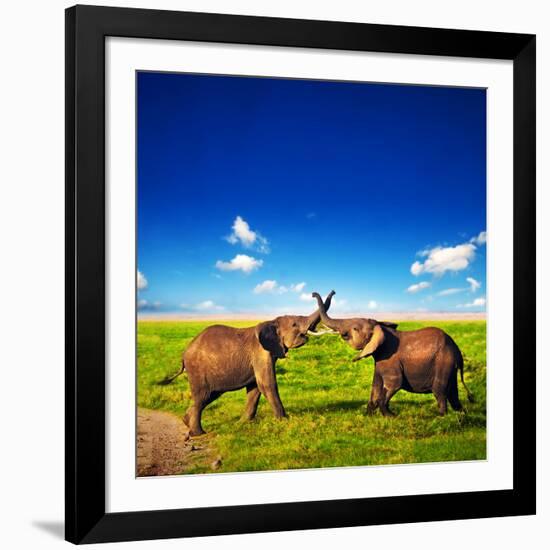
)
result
[(324, 394)]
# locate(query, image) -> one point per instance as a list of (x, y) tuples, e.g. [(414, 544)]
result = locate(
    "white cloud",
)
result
[(450, 291), (481, 239), (142, 282), (372, 304), (418, 287), (416, 268), (145, 304), (306, 297), (207, 305), (441, 259), (297, 287), (241, 262), (243, 234), (474, 285), (272, 287), (478, 302), (265, 287)]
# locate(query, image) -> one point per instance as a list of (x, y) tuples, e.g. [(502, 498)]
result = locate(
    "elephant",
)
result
[(418, 361), (222, 359)]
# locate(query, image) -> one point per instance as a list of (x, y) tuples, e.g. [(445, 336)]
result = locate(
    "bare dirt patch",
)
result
[(163, 446)]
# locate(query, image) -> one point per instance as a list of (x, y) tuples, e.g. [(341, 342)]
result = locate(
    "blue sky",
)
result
[(253, 192)]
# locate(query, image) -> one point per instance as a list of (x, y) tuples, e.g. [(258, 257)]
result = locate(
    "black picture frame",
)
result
[(85, 515)]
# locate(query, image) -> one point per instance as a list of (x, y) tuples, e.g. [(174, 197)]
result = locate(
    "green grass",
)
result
[(324, 394)]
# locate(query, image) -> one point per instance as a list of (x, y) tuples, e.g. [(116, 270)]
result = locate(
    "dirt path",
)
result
[(163, 447)]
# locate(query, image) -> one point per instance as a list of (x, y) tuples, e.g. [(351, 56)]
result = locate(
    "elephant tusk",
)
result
[(321, 333)]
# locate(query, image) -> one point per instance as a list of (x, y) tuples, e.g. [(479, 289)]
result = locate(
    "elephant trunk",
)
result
[(330, 323), (314, 319)]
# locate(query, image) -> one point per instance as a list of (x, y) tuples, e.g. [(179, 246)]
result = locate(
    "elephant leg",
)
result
[(440, 393), (253, 395), (392, 384), (452, 396), (187, 415), (385, 401), (271, 393), (455, 403), (194, 413), (267, 384), (375, 393), (439, 389), (441, 399)]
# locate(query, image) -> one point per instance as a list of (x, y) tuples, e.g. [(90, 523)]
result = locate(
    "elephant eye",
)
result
[(345, 334), (294, 325)]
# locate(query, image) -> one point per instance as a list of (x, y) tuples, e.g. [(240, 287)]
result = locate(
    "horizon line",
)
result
[(250, 316)]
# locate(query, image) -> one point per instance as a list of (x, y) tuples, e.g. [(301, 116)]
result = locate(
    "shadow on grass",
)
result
[(333, 406)]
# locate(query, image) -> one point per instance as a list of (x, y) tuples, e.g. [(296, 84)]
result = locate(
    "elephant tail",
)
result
[(460, 367), (170, 379)]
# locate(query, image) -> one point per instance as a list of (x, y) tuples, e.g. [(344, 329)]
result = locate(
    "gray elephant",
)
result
[(222, 359), (418, 361)]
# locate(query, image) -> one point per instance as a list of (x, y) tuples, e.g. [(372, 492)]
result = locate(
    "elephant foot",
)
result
[(196, 432), (370, 409), (387, 413)]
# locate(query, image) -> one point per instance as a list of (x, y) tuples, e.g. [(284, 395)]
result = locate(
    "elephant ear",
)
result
[(376, 340), (268, 335)]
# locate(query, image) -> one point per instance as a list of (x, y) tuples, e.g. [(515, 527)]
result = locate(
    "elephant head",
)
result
[(290, 331), (366, 335)]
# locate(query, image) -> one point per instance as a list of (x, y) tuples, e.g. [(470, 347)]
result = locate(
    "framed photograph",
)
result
[(300, 274)]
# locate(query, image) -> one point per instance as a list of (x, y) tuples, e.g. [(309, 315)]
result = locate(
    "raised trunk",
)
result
[(330, 323), (315, 317)]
